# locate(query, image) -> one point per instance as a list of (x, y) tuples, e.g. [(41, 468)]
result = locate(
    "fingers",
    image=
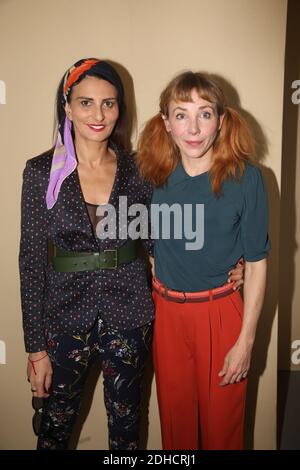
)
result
[(232, 371), (233, 377), (48, 383), (40, 387), (237, 273), (235, 276), (32, 380), (237, 284), (39, 372), (38, 390), (33, 387), (226, 379), (224, 369), (240, 377), (229, 378), (151, 259)]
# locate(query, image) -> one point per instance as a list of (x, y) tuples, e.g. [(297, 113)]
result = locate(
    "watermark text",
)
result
[(2, 352), (178, 222), (2, 92), (295, 356), (296, 95)]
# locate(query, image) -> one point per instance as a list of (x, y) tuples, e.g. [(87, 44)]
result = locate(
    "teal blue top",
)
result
[(225, 228)]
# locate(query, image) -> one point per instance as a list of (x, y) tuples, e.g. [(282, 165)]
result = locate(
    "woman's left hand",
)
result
[(236, 364), (236, 275)]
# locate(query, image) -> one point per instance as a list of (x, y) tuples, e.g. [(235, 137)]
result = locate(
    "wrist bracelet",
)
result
[(36, 360)]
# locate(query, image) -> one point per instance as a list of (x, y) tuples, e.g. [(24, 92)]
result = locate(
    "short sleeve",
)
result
[(254, 218)]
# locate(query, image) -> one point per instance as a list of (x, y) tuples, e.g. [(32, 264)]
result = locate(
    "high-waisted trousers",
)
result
[(190, 343)]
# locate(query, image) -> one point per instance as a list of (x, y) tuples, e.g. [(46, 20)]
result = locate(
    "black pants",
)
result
[(123, 354)]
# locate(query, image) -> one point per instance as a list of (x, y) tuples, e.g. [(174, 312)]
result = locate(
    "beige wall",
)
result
[(241, 40)]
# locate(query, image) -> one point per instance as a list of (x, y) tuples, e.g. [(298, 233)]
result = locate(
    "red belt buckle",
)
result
[(181, 300)]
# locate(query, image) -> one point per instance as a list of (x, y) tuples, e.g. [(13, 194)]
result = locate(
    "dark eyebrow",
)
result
[(92, 99)]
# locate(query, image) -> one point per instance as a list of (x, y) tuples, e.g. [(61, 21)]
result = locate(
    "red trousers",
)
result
[(191, 341)]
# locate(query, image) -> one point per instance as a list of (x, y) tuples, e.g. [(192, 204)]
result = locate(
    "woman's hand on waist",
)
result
[(151, 261), (236, 275)]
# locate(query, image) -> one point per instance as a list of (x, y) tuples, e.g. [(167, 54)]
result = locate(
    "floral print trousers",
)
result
[(123, 355)]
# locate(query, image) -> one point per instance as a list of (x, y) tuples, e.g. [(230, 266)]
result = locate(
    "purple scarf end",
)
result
[(63, 164)]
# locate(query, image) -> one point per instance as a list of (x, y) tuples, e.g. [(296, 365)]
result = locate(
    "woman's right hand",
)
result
[(39, 374)]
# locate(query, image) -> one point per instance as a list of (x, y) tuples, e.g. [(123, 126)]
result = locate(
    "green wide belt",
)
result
[(72, 261)]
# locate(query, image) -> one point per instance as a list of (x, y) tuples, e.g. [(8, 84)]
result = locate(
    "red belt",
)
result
[(182, 297)]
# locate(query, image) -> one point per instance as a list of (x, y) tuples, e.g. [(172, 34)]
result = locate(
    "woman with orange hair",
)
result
[(196, 153)]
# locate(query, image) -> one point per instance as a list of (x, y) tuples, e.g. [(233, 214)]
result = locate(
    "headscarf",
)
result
[(64, 160)]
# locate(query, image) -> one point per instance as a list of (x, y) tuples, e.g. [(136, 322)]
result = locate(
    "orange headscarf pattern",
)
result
[(74, 73)]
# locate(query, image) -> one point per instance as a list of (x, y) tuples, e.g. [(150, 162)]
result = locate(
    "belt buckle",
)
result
[(183, 300), (115, 258)]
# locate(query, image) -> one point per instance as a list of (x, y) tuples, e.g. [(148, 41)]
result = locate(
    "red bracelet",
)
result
[(32, 362)]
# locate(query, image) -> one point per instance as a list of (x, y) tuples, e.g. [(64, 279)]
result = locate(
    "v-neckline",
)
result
[(111, 196)]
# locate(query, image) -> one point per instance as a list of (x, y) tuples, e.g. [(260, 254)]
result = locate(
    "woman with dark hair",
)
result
[(84, 292), (196, 153)]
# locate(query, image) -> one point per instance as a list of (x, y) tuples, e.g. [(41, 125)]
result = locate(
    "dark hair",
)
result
[(102, 70)]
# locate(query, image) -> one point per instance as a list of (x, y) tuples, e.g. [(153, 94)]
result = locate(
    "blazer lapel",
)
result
[(70, 210)]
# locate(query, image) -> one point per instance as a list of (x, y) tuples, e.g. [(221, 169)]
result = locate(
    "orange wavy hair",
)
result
[(158, 155)]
